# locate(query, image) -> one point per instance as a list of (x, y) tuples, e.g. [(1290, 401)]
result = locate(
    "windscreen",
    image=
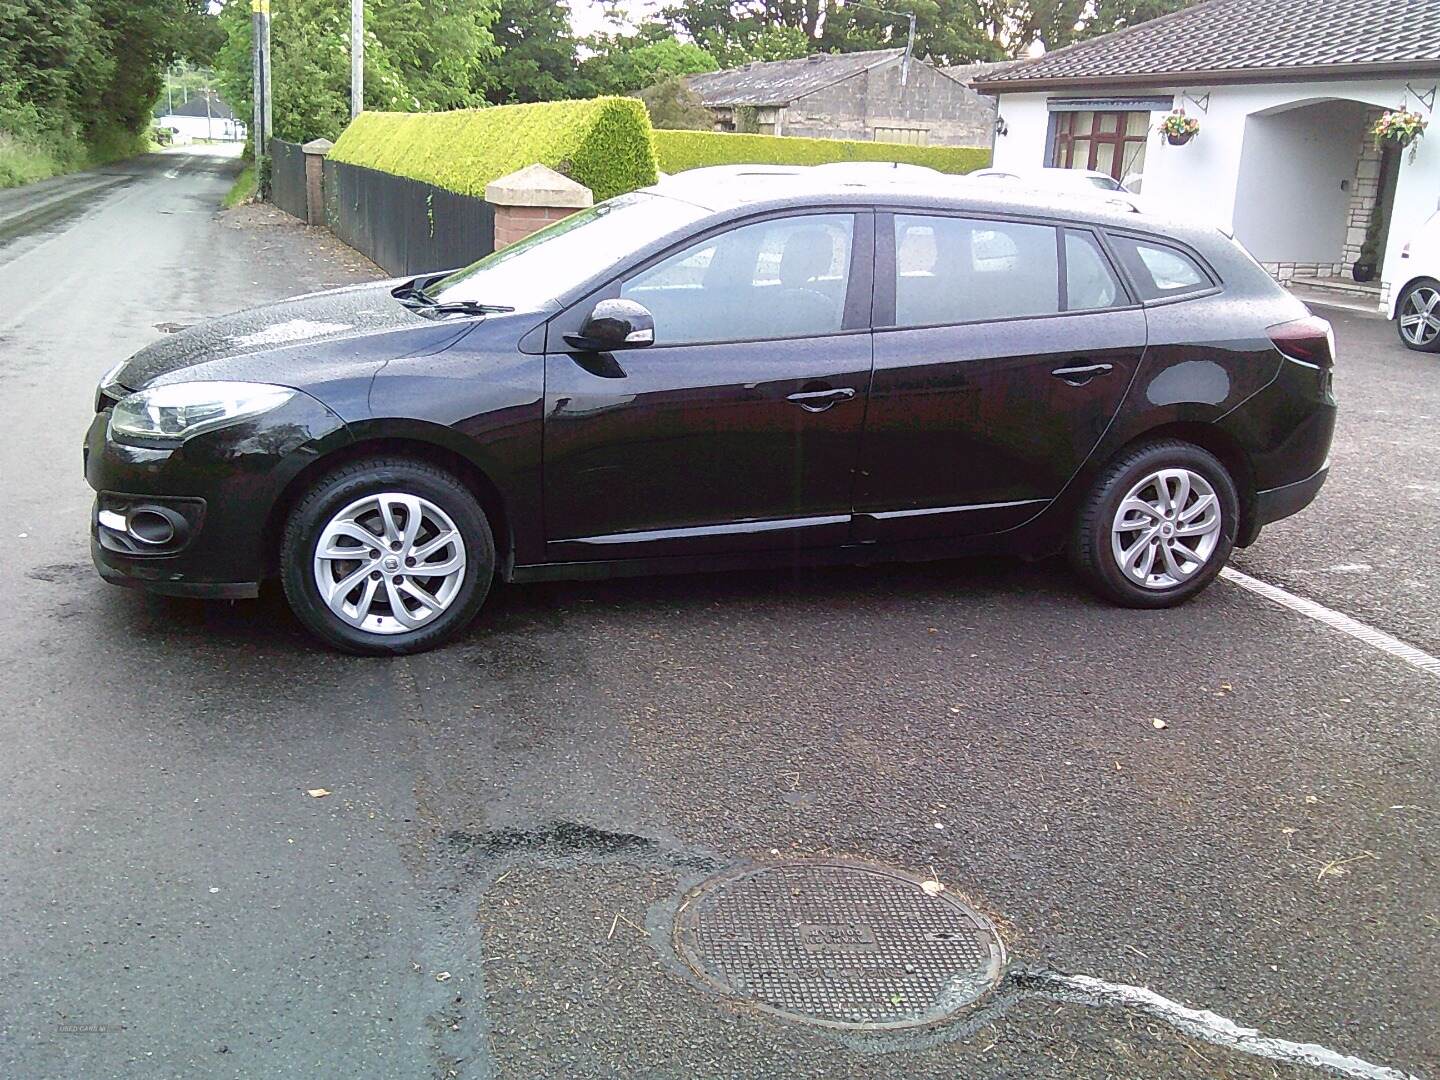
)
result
[(546, 264)]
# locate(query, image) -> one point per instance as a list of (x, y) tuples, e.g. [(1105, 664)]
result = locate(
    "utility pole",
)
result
[(357, 58), (260, 70)]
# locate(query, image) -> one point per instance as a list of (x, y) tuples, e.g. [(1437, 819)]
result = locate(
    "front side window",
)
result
[(781, 278), (1160, 271), (954, 270), (562, 256)]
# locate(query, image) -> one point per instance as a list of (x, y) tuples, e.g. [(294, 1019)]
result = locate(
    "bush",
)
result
[(681, 150), (604, 143), (674, 106), (23, 161)]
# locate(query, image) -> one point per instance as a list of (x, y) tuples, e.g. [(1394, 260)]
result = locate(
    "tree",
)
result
[(622, 64), (419, 55), (537, 60), (1058, 23), (87, 71), (673, 106), (947, 31)]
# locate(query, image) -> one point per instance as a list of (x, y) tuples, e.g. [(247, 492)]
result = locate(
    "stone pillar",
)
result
[(315, 152), (531, 198)]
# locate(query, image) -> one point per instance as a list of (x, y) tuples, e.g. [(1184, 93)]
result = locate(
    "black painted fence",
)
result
[(406, 226), (287, 178)]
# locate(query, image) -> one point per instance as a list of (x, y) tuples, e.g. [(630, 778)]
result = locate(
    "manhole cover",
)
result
[(839, 944)]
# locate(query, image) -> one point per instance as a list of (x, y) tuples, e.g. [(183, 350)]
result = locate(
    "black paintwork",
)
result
[(873, 442)]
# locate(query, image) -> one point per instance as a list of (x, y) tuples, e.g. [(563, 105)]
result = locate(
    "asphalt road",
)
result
[(172, 903)]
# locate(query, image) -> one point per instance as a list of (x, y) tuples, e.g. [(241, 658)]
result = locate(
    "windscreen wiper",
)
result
[(414, 296)]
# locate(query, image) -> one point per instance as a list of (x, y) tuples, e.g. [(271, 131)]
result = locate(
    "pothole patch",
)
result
[(841, 944)]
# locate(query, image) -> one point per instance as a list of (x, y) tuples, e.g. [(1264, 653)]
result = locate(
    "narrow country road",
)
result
[(513, 820)]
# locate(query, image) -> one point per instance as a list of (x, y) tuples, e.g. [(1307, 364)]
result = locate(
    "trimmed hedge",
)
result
[(681, 150), (604, 143)]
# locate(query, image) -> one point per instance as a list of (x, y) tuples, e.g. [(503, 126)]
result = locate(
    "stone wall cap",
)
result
[(318, 146), (537, 185)]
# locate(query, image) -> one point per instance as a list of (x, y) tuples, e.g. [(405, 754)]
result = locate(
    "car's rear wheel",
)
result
[(1158, 525), (1418, 315), (386, 557)]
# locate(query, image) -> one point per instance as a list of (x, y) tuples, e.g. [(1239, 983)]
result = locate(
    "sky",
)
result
[(588, 16)]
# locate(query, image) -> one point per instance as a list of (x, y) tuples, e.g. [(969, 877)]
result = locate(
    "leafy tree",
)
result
[(419, 55), (1058, 23), (673, 106), (622, 64), (78, 77), (537, 60), (947, 31)]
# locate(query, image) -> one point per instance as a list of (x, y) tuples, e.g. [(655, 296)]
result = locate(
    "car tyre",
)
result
[(421, 518), (1158, 525), (1418, 297)]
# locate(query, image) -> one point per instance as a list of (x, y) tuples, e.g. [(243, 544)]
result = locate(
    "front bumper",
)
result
[(226, 483)]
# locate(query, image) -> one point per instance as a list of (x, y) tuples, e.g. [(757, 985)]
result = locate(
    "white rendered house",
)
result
[(1286, 93)]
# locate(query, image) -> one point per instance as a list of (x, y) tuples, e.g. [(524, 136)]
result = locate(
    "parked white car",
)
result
[(1082, 183), (1056, 179), (1415, 305)]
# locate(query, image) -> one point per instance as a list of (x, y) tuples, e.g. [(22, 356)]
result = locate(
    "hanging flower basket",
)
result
[(1401, 127), (1178, 128)]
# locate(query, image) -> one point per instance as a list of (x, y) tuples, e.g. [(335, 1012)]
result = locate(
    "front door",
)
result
[(1002, 351), (739, 429)]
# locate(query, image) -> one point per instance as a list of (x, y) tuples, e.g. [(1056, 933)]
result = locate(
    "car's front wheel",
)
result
[(1158, 525), (1418, 315), (387, 556)]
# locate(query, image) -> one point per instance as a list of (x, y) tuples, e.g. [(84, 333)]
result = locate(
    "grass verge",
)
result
[(243, 190)]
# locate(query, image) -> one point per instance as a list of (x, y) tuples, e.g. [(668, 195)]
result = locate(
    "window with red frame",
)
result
[(1107, 142)]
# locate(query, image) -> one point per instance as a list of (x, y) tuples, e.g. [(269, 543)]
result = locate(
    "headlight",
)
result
[(175, 412)]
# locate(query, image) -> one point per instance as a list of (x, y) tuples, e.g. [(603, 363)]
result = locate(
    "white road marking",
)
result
[(1212, 1027), (1377, 639)]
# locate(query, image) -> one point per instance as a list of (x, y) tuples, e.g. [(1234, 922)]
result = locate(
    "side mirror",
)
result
[(615, 324)]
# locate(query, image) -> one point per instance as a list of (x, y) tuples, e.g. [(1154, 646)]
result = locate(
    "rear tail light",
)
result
[(1309, 340)]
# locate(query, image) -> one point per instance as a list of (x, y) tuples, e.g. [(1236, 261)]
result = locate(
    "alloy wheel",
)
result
[(389, 563), (1420, 316), (1166, 529)]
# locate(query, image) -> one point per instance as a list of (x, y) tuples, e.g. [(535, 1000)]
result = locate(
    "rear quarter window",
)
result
[(1159, 270)]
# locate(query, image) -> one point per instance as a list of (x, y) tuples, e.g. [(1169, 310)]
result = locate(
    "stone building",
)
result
[(868, 95)]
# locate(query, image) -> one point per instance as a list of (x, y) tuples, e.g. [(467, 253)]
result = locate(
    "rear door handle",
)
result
[(820, 400), (1081, 374)]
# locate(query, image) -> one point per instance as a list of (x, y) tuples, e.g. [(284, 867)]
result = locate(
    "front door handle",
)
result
[(1081, 374), (820, 400)]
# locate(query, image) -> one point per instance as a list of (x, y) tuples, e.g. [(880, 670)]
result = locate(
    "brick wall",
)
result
[(514, 223)]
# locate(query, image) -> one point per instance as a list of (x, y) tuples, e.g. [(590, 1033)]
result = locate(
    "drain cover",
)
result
[(839, 944)]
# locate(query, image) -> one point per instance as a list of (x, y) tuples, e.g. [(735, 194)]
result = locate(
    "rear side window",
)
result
[(1090, 284), (954, 270), (1160, 271)]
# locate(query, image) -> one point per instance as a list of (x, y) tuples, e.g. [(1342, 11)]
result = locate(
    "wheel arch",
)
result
[(1207, 436), (416, 445), (1398, 292)]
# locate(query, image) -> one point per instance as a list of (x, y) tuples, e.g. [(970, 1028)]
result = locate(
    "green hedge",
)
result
[(604, 143), (681, 150)]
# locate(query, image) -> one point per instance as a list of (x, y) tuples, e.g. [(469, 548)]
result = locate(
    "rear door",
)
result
[(1002, 351), (739, 429)]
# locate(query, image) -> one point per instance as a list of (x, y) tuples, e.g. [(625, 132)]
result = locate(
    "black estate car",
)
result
[(727, 370)]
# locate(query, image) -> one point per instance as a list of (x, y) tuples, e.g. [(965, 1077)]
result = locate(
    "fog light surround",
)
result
[(143, 525)]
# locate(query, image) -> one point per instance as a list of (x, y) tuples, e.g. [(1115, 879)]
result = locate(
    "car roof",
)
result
[(722, 188)]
